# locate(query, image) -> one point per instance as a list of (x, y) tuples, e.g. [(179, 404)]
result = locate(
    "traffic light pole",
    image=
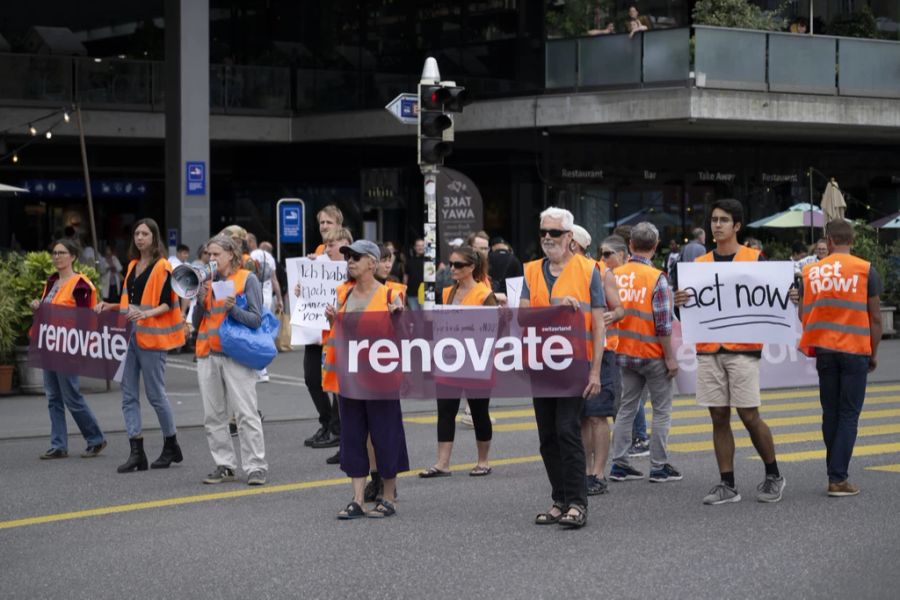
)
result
[(430, 179)]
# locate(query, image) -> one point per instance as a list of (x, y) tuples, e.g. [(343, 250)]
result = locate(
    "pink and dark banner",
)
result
[(488, 352), (78, 341)]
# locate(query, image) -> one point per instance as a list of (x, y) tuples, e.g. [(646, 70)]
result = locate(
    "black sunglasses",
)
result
[(554, 233), (354, 257), (460, 265), (607, 253)]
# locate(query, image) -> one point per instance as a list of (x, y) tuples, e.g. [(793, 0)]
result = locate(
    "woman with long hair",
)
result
[(68, 288), (155, 314), (468, 269)]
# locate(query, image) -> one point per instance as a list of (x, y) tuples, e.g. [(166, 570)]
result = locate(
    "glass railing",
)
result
[(35, 79)]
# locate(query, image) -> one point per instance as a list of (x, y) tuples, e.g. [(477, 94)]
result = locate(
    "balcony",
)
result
[(729, 59)]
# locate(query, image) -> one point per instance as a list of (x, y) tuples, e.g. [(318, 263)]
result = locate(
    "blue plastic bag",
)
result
[(253, 348)]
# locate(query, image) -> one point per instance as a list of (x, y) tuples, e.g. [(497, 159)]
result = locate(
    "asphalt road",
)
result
[(74, 528)]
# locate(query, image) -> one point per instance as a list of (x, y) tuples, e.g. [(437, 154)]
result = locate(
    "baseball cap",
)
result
[(582, 237), (362, 247)]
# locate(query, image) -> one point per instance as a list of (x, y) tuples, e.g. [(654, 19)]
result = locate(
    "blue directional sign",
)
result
[(405, 108), (291, 223), (195, 178), (173, 238)]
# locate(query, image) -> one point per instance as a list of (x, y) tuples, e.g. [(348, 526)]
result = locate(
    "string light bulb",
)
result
[(15, 157), (66, 116), (49, 134), (31, 129)]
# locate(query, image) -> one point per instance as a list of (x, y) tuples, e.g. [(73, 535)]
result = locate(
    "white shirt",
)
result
[(266, 268)]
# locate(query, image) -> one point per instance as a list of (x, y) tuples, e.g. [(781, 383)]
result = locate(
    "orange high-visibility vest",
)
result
[(836, 305), (380, 302), (612, 331), (165, 331), (320, 249), (399, 289), (342, 290), (575, 281), (475, 297), (64, 295), (208, 333), (637, 330), (744, 254)]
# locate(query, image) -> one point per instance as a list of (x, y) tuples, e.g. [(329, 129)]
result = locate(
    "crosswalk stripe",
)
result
[(789, 406), (858, 451), (888, 468), (784, 438)]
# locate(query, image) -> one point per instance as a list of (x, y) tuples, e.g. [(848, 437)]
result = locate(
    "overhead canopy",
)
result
[(11, 189)]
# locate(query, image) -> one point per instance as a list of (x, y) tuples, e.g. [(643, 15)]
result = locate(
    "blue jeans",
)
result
[(152, 363), (62, 392), (842, 389)]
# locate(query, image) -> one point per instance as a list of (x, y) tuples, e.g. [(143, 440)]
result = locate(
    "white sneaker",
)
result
[(466, 420), (262, 378)]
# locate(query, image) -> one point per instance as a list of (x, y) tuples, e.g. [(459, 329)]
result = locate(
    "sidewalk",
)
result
[(283, 398)]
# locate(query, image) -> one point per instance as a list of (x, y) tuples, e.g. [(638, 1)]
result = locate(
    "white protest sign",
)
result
[(514, 291), (318, 280), (303, 336), (738, 302)]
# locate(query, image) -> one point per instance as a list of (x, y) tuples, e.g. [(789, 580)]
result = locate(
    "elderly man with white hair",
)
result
[(568, 279)]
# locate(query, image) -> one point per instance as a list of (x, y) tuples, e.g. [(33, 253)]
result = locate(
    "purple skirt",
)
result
[(383, 420)]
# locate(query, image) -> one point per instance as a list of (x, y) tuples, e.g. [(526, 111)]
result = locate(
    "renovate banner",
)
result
[(738, 302), (78, 341), (483, 352)]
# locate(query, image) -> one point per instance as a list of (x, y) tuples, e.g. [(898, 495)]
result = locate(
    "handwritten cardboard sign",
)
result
[(318, 279), (738, 302)]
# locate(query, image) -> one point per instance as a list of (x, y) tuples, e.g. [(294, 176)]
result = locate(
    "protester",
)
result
[(442, 278), (570, 280), (154, 309), (598, 409), (479, 240), (226, 386), (470, 288), (502, 265), (110, 275), (842, 328), (68, 288), (728, 375), (581, 240), (330, 217), (645, 356), (239, 235), (821, 249), (398, 269), (360, 419)]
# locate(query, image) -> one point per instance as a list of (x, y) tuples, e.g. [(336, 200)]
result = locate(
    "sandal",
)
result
[(548, 518), (383, 509), (432, 472), (480, 471), (576, 521), (353, 511)]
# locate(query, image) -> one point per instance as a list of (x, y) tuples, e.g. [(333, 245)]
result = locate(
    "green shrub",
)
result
[(737, 13), (858, 24)]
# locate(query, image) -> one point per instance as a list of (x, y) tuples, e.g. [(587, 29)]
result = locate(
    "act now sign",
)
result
[(738, 303)]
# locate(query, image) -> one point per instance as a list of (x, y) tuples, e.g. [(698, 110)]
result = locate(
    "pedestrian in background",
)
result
[(226, 386), (158, 327), (110, 275), (68, 288)]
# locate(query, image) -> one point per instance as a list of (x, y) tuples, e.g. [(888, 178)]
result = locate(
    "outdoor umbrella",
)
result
[(799, 215), (833, 204), (11, 189), (888, 222), (656, 217)]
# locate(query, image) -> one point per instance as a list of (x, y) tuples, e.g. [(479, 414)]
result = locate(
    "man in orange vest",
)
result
[(728, 375), (563, 278), (841, 314), (645, 356)]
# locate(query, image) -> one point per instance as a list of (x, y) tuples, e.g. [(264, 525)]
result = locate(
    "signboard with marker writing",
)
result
[(738, 302)]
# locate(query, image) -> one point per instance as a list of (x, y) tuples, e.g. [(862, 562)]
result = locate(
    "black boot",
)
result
[(171, 452), (137, 460)]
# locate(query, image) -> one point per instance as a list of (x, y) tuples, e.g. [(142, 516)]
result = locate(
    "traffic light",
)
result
[(433, 124)]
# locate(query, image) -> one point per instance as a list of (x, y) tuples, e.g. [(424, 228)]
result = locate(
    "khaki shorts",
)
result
[(728, 380)]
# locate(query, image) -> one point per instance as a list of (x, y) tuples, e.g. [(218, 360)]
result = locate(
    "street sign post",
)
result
[(405, 108), (290, 214)]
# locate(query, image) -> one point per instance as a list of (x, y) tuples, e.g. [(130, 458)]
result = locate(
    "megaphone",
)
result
[(187, 278)]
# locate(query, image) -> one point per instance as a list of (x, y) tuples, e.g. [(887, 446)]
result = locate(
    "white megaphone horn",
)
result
[(187, 278)]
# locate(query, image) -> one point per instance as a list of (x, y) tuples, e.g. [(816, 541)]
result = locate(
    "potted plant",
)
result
[(7, 329)]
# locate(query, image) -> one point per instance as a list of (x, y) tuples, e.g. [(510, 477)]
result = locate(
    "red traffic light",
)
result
[(432, 97)]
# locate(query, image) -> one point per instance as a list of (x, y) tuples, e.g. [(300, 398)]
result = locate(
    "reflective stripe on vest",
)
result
[(208, 332), (380, 301), (835, 305), (637, 330), (574, 280), (162, 332), (744, 254)]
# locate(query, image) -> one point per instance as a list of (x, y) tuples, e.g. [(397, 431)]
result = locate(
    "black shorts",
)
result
[(604, 403)]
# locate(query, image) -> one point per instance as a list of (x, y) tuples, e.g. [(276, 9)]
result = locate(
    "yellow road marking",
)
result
[(183, 500), (888, 468), (784, 438), (857, 451)]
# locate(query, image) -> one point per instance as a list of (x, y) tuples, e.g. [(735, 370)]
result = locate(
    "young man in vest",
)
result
[(563, 278), (728, 375), (841, 314), (645, 356)]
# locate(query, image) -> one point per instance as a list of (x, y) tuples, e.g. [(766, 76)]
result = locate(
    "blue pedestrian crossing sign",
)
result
[(195, 178)]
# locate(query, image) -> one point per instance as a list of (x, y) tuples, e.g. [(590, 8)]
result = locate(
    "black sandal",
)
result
[(385, 508), (576, 521), (547, 518), (353, 511)]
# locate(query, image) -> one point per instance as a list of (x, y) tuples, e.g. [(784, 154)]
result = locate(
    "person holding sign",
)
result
[(68, 288), (645, 357), (226, 386), (728, 375), (155, 310), (468, 268), (360, 419), (841, 314), (567, 279), (328, 218)]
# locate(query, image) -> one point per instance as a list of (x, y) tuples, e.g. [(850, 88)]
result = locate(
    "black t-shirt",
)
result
[(415, 272), (501, 266), (136, 283)]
